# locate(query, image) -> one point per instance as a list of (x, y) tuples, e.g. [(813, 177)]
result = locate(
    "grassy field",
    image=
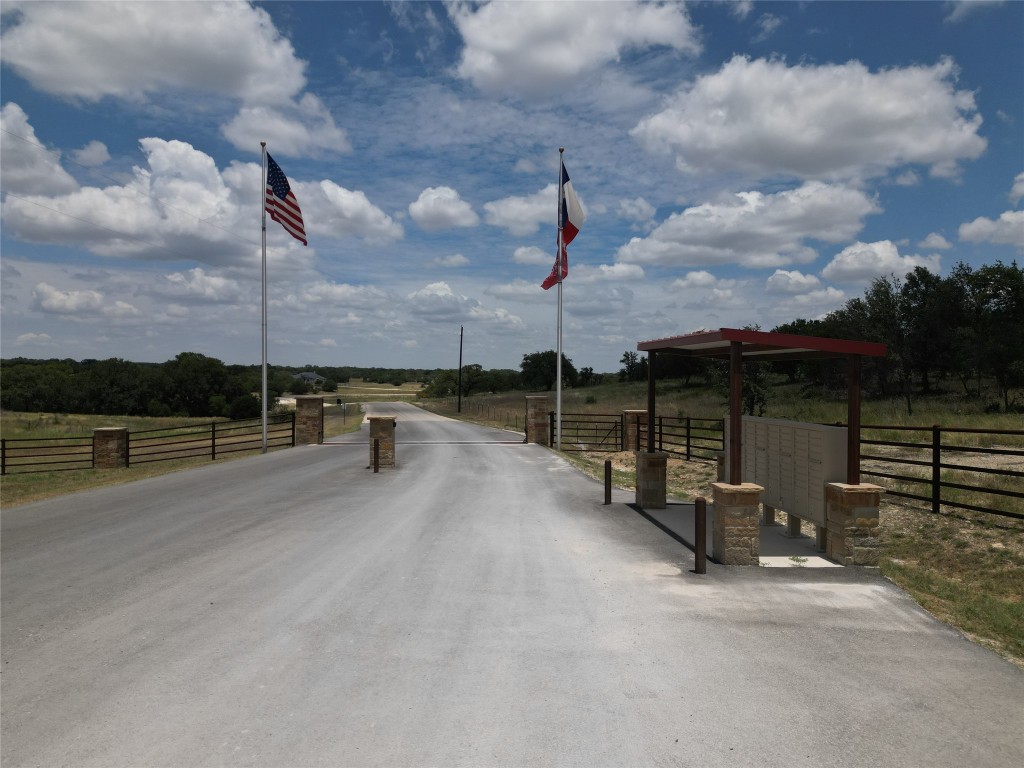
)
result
[(965, 568)]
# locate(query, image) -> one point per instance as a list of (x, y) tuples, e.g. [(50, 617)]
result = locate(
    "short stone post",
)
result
[(651, 478), (309, 420), (735, 535), (382, 428), (851, 523), (110, 447), (634, 436), (537, 421)]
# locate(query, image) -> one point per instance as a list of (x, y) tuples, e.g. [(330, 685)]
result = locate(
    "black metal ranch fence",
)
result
[(22, 455), (683, 436), (944, 466)]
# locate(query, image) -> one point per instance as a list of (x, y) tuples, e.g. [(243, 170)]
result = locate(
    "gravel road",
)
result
[(475, 606)]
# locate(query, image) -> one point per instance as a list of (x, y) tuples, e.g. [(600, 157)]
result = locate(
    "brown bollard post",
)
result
[(700, 535), (607, 481), (376, 454)]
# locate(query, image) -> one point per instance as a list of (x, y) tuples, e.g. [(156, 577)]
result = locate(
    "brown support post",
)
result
[(650, 402), (607, 481), (700, 535), (735, 413), (853, 421), (936, 469)]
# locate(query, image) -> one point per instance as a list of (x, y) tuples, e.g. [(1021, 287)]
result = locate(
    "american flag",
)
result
[(281, 203)]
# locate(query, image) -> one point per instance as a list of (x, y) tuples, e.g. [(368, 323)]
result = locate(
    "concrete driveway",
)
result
[(476, 606)]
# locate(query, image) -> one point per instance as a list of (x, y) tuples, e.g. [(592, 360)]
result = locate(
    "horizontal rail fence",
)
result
[(943, 473), (213, 439), (45, 454), (691, 438), (56, 454), (588, 431)]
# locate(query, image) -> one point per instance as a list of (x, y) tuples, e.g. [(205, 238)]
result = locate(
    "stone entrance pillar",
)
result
[(851, 523), (735, 537), (309, 420), (635, 427), (538, 426), (110, 447), (382, 428), (651, 478)]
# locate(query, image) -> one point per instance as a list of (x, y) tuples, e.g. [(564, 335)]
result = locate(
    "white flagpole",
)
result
[(558, 353), (263, 345)]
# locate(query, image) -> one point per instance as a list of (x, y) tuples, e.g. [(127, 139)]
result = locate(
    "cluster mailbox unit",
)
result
[(792, 461)]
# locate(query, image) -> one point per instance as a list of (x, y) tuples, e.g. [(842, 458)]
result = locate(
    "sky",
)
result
[(739, 163)]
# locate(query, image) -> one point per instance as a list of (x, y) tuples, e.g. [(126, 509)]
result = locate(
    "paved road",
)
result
[(476, 606)]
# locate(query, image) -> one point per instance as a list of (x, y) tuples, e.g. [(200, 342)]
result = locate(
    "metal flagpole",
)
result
[(561, 268), (263, 345)]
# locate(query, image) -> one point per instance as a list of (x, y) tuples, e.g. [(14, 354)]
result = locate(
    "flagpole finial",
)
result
[(561, 150), (263, 144)]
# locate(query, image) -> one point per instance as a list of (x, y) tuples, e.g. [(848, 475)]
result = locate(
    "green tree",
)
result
[(195, 378), (539, 371)]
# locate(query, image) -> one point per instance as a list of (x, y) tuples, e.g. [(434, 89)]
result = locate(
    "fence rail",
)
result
[(22, 455), (948, 477), (685, 436), (45, 454)]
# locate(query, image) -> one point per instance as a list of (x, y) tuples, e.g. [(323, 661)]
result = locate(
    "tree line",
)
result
[(191, 384)]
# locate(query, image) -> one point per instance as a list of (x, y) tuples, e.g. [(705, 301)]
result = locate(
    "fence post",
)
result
[(3, 455), (127, 449), (622, 432), (607, 481), (936, 468), (688, 438), (700, 535), (213, 441), (661, 433), (293, 428), (376, 454), (551, 427)]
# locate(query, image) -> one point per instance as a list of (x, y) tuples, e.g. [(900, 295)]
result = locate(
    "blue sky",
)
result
[(739, 162)]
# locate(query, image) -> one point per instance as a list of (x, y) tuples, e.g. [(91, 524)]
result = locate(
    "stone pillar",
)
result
[(110, 447), (634, 436), (538, 424), (735, 535), (851, 523), (309, 420), (651, 477), (382, 428)]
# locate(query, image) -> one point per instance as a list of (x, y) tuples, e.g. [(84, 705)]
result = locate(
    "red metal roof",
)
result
[(761, 345)]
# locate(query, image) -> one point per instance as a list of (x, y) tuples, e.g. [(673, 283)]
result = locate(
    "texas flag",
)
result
[(570, 219)]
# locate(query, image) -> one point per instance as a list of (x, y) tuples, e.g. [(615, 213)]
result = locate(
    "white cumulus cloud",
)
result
[(766, 118), (440, 208), (862, 262), (523, 215), (1008, 229), (791, 281), (27, 167), (754, 229), (541, 46)]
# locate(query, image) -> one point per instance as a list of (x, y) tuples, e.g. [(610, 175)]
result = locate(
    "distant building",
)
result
[(310, 377)]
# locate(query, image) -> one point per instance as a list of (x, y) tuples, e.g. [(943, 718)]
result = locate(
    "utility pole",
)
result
[(460, 369)]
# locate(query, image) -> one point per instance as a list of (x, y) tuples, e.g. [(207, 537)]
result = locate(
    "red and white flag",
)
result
[(570, 219), (281, 203)]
